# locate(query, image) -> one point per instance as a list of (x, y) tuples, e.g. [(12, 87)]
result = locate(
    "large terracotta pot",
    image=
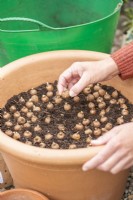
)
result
[(56, 173)]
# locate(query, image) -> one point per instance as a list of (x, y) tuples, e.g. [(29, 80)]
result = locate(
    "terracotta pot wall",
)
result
[(56, 173)]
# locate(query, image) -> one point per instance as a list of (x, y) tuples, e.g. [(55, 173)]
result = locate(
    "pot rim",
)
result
[(42, 155), (58, 54)]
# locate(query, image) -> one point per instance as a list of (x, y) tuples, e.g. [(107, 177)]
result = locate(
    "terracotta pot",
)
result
[(21, 194), (56, 173)]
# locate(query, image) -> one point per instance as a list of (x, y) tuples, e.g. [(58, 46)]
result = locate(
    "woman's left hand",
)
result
[(117, 154)]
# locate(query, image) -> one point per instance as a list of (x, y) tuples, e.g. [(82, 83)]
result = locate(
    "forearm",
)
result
[(124, 60)]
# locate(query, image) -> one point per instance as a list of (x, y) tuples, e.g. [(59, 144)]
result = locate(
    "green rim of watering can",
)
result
[(44, 27)]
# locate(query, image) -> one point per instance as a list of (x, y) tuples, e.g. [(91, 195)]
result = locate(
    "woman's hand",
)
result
[(81, 74), (117, 154)]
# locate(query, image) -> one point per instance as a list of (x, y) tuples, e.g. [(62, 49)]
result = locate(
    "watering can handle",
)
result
[(40, 24)]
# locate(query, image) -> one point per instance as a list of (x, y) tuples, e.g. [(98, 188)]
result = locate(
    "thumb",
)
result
[(79, 86)]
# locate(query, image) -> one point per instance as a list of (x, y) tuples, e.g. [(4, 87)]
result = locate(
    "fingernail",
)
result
[(59, 92), (94, 142), (84, 168), (72, 94)]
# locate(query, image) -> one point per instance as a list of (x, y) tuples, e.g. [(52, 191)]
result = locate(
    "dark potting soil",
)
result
[(42, 118)]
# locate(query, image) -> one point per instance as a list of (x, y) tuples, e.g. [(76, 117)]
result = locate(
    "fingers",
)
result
[(128, 165), (75, 78), (75, 85), (79, 86), (64, 79), (105, 138), (114, 157), (101, 157), (102, 140), (112, 161), (124, 163), (72, 83)]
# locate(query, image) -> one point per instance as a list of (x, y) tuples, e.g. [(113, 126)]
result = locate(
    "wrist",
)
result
[(110, 67)]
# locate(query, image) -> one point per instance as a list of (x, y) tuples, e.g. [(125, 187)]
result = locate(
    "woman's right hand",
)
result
[(81, 74)]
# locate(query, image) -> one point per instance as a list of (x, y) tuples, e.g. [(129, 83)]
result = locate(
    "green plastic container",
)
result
[(32, 26)]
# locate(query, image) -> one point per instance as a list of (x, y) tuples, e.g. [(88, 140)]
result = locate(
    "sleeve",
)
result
[(124, 60)]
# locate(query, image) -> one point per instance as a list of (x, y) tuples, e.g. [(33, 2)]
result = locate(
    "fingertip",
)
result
[(101, 140), (84, 168), (60, 88), (96, 142), (72, 94), (93, 141), (113, 171), (59, 91)]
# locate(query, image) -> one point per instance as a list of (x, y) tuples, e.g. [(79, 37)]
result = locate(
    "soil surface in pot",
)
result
[(43, 118)]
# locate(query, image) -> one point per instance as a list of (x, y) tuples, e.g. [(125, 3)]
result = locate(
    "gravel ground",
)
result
[(128, 194)]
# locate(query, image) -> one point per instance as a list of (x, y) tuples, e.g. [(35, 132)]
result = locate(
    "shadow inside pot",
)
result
[(22, 194)]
